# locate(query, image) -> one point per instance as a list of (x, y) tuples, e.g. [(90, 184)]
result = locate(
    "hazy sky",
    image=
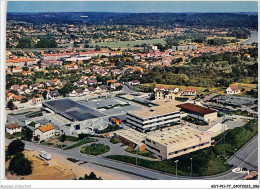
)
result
[(132, 6)]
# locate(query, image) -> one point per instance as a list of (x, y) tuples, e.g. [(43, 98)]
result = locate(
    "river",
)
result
[(253, 38)]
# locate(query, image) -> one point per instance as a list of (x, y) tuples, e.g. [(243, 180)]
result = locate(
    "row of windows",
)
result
[(150, 123), (153, 148), (185, 149), (130, 115)]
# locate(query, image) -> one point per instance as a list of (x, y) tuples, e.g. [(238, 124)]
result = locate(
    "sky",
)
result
[(132, 6)]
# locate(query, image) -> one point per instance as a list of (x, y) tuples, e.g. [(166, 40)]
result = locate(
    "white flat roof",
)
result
[(132, 135), (177, 134)]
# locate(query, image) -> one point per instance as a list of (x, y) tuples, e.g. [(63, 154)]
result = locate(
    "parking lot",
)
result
[(112, 105)]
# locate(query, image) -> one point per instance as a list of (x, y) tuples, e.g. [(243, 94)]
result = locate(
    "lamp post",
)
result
[(176, 167), (190, 166)]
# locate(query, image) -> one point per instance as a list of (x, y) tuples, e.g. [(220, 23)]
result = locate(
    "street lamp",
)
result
[(190, 166), (176, 167)]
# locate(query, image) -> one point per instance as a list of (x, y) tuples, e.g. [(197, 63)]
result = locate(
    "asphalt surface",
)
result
[(246, 157), (133, 169)]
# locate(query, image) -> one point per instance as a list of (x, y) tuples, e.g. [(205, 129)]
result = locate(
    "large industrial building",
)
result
[(151, 118), (76, 117), (205, 114), (176, 142), (132, 138)]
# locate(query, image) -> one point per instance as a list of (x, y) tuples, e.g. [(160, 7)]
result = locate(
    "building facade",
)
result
[(176, 142), (150, 118)]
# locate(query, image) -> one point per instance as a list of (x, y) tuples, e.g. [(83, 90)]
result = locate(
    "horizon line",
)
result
[(127, 12)]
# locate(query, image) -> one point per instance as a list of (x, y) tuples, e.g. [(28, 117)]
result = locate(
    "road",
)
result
[(137, 170), (246, 157)]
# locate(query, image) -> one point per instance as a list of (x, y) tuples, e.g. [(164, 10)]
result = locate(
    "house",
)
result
[(53, 95), (91, 90), (174, 89), (134, 82), (114, 85), (37, 100), (161, 93), (76, 92), (9, 96), (45, 132), (15, 87), (79, 84), (18, 97), (50, 83), (13, 128), (233, 89), (190, 91), (92, 82)]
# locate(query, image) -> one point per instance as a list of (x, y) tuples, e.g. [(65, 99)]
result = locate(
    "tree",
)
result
[(47, 42), (25, 43), (27, 134), (20, 165), (15, 147), (44, 94), (63, 138), (10, 105), (91, 176)]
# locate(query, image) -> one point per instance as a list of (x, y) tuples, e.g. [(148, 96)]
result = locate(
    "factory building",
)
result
[(151, 118), (205, 114), (131, 138), (176, 142)]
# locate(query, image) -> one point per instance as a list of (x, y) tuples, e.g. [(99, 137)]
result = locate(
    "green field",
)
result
[(95, 149), (126, 44), (85, 141)]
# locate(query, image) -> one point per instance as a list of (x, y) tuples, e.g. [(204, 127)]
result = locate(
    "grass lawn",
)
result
[(15, 135), (246, 86), (205, 162), (38, 80), (141, 153), (114, 141), (95, 149), (34, 114), (128, 44), (85, 141)]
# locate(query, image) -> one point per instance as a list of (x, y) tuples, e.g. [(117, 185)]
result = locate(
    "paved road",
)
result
[(132, 169), (246, 157)]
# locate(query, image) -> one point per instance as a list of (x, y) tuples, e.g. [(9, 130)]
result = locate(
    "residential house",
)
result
[(13, 128), (45, 132), (53, 95), (233, 89), (190, 91)]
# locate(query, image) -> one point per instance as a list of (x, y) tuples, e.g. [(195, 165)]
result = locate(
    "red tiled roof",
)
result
[(190, 89), (195, 108), (12, 126), (234, 87)]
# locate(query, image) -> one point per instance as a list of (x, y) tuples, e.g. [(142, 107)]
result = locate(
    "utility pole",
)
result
[(190, 167), (136, 157), (176, 167)]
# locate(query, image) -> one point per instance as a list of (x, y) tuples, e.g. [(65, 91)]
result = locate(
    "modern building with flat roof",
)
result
[(132, 138), (150, 118), (72, 117), (71, 109), (176, 142), (199, 112)]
